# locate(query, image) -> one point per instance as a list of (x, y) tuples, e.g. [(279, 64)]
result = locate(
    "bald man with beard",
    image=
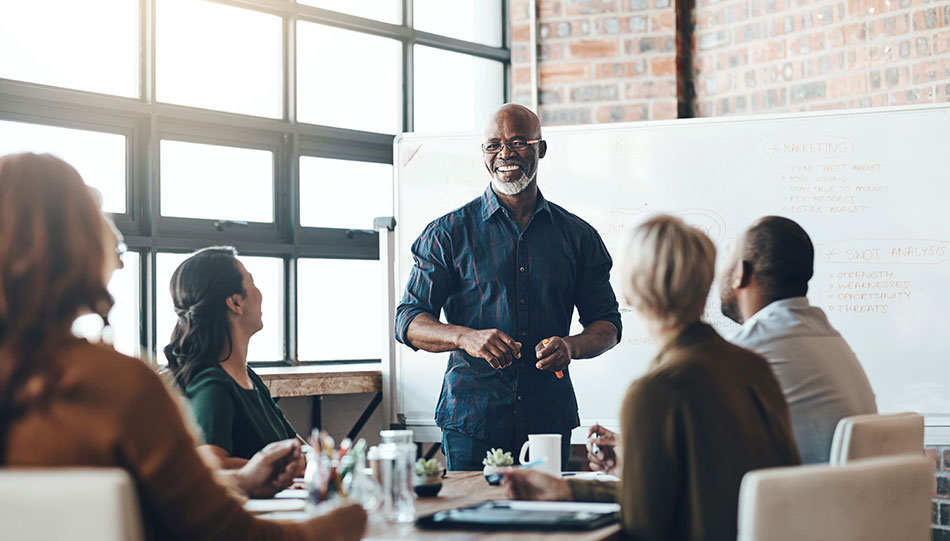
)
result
[(508, 269)]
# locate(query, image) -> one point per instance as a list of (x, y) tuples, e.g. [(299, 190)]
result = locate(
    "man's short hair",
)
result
[(782, 256), (667, 270)]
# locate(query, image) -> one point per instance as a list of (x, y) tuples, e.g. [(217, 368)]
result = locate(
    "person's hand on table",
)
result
[(527, 484), (272, 469), (496, 347), (554, 354), (602, 449), (341, 524)]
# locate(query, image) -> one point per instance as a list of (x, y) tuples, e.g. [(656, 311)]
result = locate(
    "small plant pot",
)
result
[(427, 487), (493, 474)]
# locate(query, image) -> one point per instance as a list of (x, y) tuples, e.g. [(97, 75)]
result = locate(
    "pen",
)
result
[(559, 374)]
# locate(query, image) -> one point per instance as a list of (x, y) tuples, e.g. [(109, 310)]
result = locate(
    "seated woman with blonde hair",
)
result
[(705, 413), (66, 402)]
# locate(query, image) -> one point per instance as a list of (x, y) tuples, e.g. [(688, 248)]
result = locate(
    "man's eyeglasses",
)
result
[(515, 146)]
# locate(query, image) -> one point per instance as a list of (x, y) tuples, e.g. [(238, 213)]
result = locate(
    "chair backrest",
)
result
[(67, 503), (875, 499), (871, 435)]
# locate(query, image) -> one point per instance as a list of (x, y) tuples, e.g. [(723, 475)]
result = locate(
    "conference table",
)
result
[(460, 489)]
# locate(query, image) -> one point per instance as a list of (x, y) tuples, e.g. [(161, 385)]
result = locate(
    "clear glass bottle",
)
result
[(360, 486), (397, 454)]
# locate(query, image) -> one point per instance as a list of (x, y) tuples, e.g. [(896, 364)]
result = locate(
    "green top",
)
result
[(242, 421)]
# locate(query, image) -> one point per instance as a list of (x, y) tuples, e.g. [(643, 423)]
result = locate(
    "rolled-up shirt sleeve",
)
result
[(594, 296), (429, 282)]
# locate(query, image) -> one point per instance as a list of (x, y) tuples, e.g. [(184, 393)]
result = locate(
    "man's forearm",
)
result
[(595, 339), (428, 333)]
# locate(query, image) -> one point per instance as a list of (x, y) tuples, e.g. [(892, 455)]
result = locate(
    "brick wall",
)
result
[(941, 501), (598, 60), (753, 56), (617, 60)]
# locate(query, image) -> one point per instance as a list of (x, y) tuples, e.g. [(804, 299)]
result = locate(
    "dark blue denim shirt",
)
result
[(476, 265)]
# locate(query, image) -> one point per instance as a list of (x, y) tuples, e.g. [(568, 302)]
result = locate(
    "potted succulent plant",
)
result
[(428, 478), (494, 461)]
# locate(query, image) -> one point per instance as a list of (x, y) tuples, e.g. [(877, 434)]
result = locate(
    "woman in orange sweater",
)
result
[(66, 402)]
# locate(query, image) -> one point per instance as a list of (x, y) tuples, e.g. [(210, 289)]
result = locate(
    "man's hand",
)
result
[(535, 485), (272, 469), (602, 449), (554, 354), (494, 346)]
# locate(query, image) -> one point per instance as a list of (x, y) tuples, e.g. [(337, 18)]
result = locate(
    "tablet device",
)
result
[(527, 515)]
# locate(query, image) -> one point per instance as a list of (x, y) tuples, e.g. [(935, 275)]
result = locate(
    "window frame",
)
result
[(145, 122)]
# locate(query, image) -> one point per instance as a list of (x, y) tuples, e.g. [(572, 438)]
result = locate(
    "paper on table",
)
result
[(297, 493), (286, 516), (593, 476), (525, 505), (273, 505)]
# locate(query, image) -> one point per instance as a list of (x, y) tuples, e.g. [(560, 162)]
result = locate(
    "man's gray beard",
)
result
[(512, 187)]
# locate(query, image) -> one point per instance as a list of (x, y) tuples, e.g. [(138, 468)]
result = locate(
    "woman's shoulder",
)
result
[(695, 369), (212, 377), (88, 356), (97, 364)]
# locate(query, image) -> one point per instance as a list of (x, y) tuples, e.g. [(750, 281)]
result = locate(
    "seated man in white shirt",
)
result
[(763, 287)]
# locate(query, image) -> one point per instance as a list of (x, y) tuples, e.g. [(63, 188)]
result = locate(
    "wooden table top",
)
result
[(460, 489)]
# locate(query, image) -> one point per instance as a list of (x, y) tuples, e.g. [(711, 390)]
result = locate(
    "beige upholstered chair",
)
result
[(866, 436), (65, 503), (874, 499)]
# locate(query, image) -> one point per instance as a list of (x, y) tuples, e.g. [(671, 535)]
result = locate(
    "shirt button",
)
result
[(522, 301), (520, 397), (521, 269)]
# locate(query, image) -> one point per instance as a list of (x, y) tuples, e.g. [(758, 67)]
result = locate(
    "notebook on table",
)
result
[(529, 515)]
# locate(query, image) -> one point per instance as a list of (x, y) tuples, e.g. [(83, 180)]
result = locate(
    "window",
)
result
[(339, 309), (471, 20), (368, 100), (344, 193), (219, 57), (455, 91), (387, 11), (263, 125), (91, 45), (98, 157), (216, 182)]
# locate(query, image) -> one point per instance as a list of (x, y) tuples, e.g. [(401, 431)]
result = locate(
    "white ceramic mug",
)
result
[(546, 446)]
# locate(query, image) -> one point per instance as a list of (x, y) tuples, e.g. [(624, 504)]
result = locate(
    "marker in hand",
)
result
[(559, 374)]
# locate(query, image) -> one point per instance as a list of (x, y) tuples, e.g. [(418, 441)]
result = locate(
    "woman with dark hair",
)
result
[(66, 402), (219, 309)]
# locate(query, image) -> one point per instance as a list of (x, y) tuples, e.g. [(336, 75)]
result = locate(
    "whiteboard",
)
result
[(871, 188)]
